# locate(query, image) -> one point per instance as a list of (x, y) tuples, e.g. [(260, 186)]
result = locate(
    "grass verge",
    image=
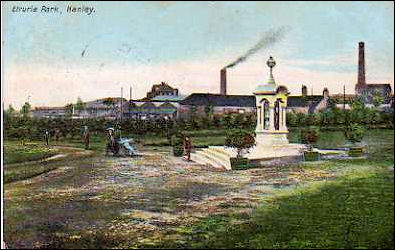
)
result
[(346, 213), (16, 152)]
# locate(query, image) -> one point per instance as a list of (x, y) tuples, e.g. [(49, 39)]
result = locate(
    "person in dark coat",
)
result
[(187, 144), (46, 137), (57, 134), (86, 137), (112, 144)]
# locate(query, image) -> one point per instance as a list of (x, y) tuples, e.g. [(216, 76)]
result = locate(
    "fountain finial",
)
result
[(271, 63)]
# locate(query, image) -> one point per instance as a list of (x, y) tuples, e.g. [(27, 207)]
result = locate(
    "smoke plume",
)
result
[(268, 38)]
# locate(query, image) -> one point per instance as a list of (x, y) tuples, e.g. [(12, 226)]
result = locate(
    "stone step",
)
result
[(215, 158), (218, 160), (217, 154), (228, 152), (206, 162), (201, 159)]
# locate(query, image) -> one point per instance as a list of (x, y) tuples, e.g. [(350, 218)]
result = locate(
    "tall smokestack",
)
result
[(361, 64), (304, 91), (223, 81)]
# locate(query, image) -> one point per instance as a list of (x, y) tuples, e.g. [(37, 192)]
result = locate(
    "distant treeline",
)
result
[(331, 118), (33, 128)]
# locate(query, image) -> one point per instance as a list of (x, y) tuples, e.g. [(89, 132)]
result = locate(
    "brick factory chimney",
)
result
[(304, 90), (325, 93), (361, 65), (223, 81)]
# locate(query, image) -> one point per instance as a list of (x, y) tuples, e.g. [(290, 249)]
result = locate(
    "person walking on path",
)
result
[(187, 144), (57, 135), (46, 137), (86, 137)]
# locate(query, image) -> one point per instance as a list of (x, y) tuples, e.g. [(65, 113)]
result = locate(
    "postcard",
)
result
[(214, 124)]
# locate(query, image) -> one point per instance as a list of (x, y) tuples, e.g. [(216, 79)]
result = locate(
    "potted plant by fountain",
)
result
[(177, 144), (241, 140), (309, 137), (354, 134)]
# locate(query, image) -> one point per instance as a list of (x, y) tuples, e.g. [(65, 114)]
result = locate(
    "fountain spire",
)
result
[(271, 63)]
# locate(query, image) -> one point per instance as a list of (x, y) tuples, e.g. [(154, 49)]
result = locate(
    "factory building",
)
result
[(365, 91)]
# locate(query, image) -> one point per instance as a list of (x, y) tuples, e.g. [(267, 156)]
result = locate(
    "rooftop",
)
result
[(266, 88), (162, 87), (49, 108), (200, 99), (310, 101), (174, 98)]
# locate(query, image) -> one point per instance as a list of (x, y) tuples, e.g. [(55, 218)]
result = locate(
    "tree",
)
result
[(300, 118), (209, 110), (239, 139), (10, 110), (177, 143), (192, 112), (310, 136), (377, 99), (209, 119), (358, 113), (109, 102), (324, 121), (354, 132), (292, 119), (9, 113), (336, 116), (225, 121), (79, 105), (69, 110), (25, 109)]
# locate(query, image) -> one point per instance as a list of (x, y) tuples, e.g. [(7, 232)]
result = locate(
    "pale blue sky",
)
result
[(159, 33)]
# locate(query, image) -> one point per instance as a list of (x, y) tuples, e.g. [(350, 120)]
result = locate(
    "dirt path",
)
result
[(140, 199)]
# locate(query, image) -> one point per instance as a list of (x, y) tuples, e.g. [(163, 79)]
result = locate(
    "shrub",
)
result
[(239, 139), (177, 143), (310, 136), (292, 119), (354, 132)]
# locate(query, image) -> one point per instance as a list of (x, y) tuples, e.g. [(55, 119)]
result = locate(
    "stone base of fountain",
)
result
[(274, 144), (275, 151), (261, 155)]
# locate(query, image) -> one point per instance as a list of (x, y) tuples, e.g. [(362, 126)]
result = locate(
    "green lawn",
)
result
[(355, 210), (352, 212), (352, 209), (23, 172), (200, 138), (16, 152), (29, 155)]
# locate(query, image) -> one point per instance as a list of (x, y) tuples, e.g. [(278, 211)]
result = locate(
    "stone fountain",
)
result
[(272, 145), (271, 130)]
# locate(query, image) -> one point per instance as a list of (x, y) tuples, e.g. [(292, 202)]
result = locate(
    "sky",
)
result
[(51, 59)]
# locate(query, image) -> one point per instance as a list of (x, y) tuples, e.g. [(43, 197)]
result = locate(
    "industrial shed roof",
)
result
[(199, 99)]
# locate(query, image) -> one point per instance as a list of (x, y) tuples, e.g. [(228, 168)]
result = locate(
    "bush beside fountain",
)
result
[(241, 140), (177, 144), (354, 134), (310, 137)]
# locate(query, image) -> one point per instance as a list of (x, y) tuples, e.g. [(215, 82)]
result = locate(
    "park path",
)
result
[(142, 198)]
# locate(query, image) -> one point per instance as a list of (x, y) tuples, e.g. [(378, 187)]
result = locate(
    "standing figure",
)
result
[(46, 137), (86, 137), (57, 135), (112, 144), (187, 144)]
